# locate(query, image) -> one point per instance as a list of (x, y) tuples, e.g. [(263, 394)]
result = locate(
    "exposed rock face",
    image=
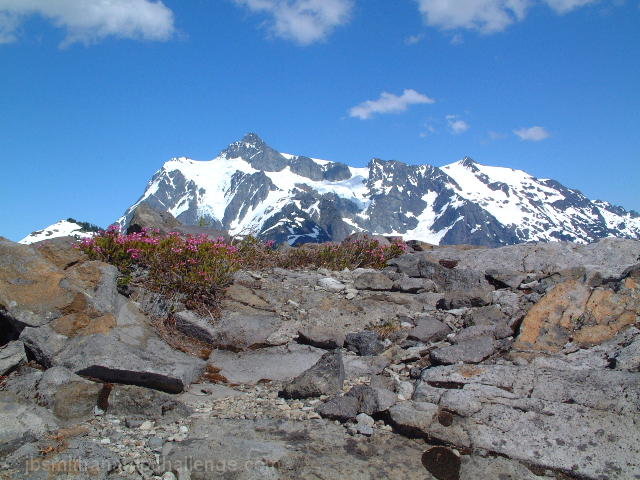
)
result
[(12, 355), (568, 420), (144, 216), (76, 318), (574, 311), (524, 364)]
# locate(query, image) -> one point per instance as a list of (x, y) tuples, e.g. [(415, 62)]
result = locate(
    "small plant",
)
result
[(387, 329)]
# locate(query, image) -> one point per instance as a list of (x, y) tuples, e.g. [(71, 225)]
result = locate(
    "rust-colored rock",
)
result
[(30, 290), (77, 324), (575, 312), (61, 251)]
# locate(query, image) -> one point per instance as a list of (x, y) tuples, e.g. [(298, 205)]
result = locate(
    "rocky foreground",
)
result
[(521, 362)]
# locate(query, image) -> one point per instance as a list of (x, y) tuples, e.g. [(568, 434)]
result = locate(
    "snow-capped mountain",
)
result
[(63, 228), (252, 188)]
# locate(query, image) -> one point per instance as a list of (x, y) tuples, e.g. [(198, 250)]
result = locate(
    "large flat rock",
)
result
[(282, 363), (582, 422), (277, 449)]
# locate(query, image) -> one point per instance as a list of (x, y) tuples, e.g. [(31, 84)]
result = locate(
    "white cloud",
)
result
[(487, 16), (414, 39), (88, 21), (532, 134), (303, 21), (389, 103), (456, 125), (564, 6)]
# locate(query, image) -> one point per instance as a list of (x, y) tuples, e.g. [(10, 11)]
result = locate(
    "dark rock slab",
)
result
[(326, 377)]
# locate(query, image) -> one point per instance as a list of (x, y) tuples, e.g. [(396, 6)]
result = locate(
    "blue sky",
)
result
[(94, 98)]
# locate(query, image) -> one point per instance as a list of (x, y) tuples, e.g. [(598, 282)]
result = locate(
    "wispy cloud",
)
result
[(428, 131), (486, 16), (564, 6), (496, 135), (532, 134), (456, 124), (389, 103), (414, 39), (89, 21), (302, 21)]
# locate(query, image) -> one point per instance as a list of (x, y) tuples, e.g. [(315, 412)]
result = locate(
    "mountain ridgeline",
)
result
[(250, 188)]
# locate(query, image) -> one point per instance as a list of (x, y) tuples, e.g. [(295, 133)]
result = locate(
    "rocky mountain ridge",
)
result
[(63, 228), (252, 188)]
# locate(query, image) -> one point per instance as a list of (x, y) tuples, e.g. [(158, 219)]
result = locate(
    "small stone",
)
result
[(105, 441), (184, 429), (155, 444), (146, 425), (364, 419), (168, 476), (404, 390), (331, 284)]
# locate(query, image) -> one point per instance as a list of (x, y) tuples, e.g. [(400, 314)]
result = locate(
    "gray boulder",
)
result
[(357, 366), (321, 337), (342, 408), (242, 331), (195, 326), (12, 355), (326, 377), (67, 395), (372, 400), (141, 403), (22, 422), (407, 284), (331, 284), (77, 458), (473, 350), (429, 329), (151, 364), (282, 363), (364, 343), (373, 280), (498, 331)]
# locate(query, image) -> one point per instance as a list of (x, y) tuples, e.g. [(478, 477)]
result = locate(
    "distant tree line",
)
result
[(86, 226)]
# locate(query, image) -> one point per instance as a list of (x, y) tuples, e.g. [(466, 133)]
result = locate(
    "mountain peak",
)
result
[(253, 139), (468, 162)]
